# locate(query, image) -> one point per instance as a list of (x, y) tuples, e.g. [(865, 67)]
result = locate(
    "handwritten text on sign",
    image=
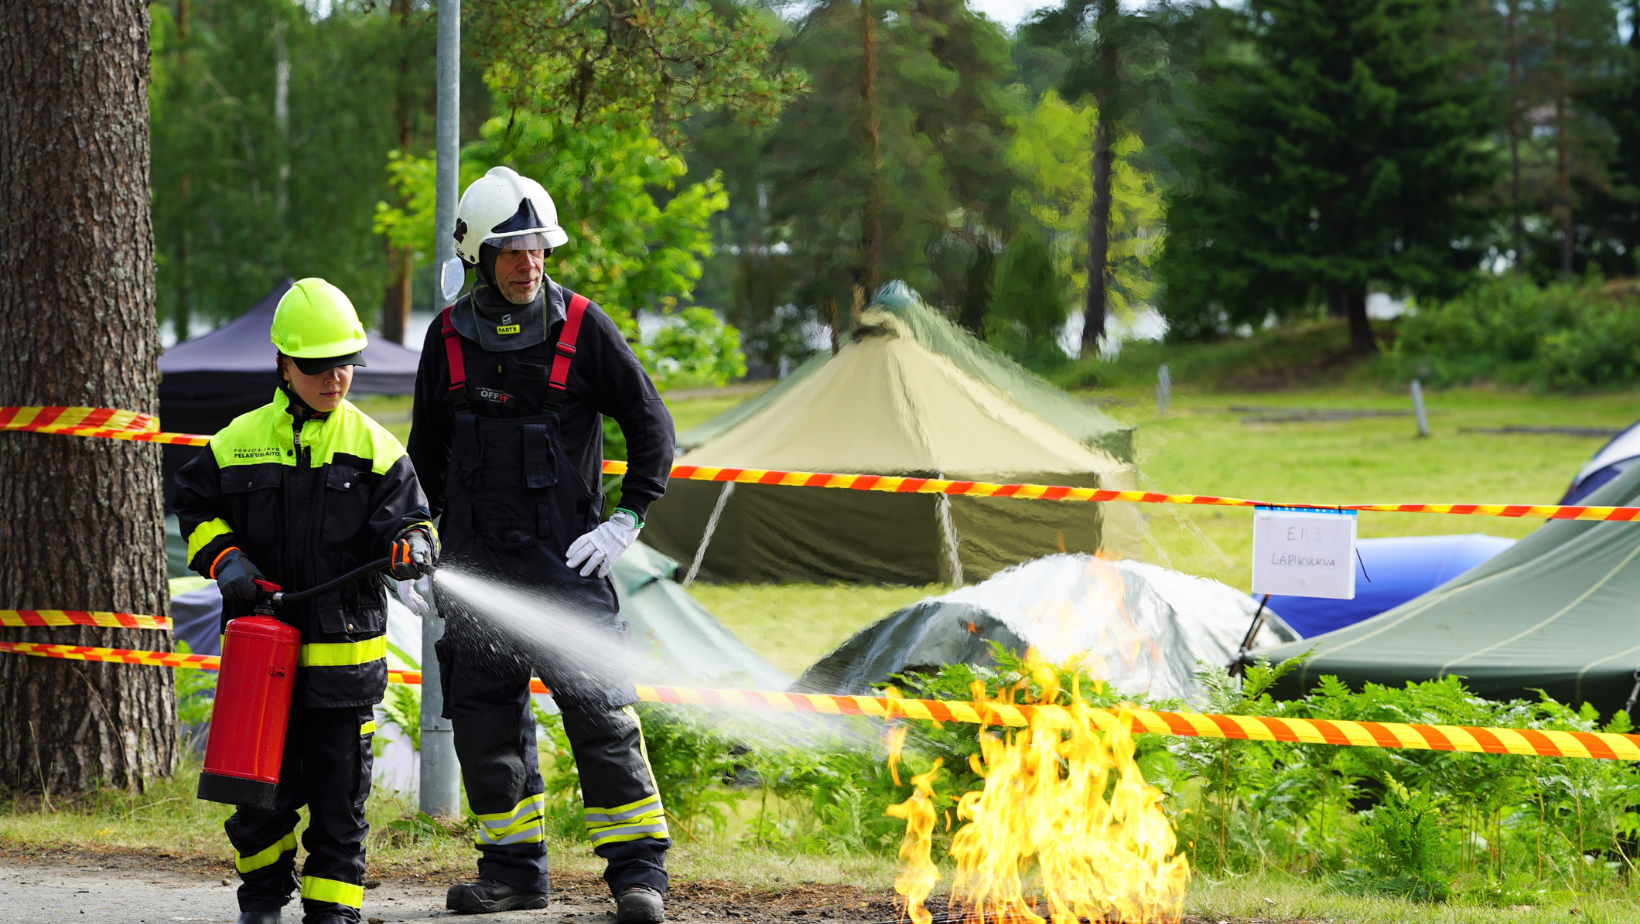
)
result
[(1304, 553)]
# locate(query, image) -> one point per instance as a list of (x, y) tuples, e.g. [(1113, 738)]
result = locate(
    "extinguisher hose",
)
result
[(379, 564)]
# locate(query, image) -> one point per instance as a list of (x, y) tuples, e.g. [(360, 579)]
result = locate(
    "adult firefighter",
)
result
[(507, 438), (303, 490)]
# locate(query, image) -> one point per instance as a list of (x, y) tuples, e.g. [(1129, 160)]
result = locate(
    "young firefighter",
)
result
[(300, 491)]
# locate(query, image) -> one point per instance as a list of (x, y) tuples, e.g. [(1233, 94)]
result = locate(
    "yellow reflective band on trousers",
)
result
[(630, 822), (343, 654), (203, 534), (368, 728), (525, 824), (268, 857), (332, 890)]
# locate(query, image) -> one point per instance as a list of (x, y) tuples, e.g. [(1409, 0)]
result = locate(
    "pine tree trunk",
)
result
[(1095, 311), (1362, 341), (80, 519)]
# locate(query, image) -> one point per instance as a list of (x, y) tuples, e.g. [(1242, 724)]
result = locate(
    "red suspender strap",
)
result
[(454, 360), (566, 342)]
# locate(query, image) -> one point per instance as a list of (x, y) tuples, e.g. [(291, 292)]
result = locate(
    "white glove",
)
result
[(597, 550), (412, 600)]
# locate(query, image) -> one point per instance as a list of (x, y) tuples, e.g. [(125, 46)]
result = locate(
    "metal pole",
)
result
[(440, 772), (1418, 408)]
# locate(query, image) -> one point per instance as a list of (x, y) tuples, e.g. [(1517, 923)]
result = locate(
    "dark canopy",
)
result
[(209, 380), (1555, 612)]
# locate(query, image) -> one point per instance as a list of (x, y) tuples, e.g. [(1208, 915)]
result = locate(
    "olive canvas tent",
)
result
[(1555, 612), (894, 401)]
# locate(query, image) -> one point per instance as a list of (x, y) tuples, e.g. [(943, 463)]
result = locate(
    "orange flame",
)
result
[(1062, 798)]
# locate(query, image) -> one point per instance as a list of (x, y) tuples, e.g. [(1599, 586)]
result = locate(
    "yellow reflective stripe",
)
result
[(424, 524), (204, 533), (343, 654), (332, 890), (656, 830), (523, 825), (268, 857), (368, 728), (648, 805)]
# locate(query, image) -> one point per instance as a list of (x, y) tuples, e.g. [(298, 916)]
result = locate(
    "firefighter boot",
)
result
[(258, 917), (488, 896), (639, 905)]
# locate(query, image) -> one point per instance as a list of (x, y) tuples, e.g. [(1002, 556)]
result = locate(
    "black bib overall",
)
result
[(513, 505)]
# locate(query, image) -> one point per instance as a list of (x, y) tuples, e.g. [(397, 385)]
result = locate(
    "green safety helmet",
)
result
[(316, 326)]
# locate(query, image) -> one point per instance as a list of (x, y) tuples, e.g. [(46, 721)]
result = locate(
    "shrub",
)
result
[(1562, 336)]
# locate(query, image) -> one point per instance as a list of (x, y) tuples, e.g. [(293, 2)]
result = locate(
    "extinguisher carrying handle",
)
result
[(279, 596)]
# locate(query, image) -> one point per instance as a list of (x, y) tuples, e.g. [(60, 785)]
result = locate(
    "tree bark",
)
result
[(81, 525), (1094, 311), (1353, 301)]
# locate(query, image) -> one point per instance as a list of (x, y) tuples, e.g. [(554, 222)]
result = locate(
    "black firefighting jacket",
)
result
[(307, 497)]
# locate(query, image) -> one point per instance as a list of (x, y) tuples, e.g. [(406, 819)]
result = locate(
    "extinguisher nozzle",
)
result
[(236, 790)]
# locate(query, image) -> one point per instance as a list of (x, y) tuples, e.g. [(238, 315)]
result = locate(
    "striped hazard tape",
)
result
[(102, 422), (83, 618), (115, 655), (1470, 739), (105, 422), (895, 484)]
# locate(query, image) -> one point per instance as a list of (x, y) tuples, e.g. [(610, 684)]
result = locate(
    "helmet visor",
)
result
[(532, 241), (310, 366)]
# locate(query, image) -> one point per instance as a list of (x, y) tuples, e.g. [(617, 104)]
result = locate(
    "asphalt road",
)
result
[(124, 890)]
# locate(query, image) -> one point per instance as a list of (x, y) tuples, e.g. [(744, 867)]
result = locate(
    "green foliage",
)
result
[(1333, 146), (1560, 336), (577, 61), (1050, 152), (402, 707), (1028, 301), (1397, 848), (797, 236), (267, 128), (693, 349)]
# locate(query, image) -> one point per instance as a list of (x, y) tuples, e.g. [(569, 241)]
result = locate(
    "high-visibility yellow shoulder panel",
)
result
[(256, 438)]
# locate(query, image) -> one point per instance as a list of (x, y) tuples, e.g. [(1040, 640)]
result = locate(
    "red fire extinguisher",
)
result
[(252, 705)]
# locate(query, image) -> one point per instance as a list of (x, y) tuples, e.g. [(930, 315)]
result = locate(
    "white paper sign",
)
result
[(1304, 553)]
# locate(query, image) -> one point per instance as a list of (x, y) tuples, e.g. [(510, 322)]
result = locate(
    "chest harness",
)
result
[(557, 379)]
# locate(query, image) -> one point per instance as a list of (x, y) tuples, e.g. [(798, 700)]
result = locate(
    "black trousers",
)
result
[(487, 702), (327, 768)]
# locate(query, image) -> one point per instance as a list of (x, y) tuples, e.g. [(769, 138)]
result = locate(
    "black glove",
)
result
[(236, 576), (414, 553)]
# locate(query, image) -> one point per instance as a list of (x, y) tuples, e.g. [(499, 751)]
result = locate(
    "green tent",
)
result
[(930, 329), (1558, 612), (899, 398)]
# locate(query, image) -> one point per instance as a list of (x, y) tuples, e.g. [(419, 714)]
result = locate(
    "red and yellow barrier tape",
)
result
[(129, 425), (900, 485), (114, 655), (1521, 741), (102, 422), (83, 618)]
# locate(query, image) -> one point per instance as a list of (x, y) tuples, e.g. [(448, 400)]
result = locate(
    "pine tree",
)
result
[(1341, 151)]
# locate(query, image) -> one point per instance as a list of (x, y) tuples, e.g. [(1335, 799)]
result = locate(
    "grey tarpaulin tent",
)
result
[(1141, 627), (1559, 611)]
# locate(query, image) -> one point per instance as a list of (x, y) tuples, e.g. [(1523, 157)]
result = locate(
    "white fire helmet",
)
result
[(508, 211)]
